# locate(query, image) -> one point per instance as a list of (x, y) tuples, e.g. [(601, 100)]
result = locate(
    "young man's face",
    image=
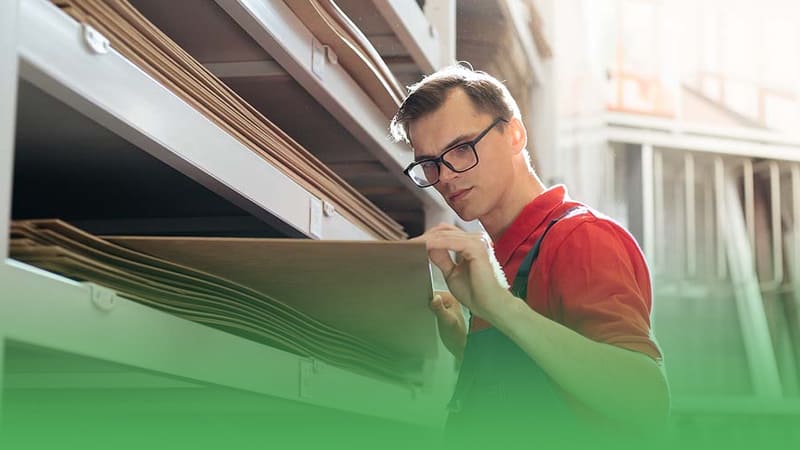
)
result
[(474, 193)]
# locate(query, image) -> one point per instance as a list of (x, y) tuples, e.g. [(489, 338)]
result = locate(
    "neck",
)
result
[(497, 221)]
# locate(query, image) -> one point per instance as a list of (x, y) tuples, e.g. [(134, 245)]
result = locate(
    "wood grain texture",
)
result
[(133, 36), (237, 285), (375, 290)]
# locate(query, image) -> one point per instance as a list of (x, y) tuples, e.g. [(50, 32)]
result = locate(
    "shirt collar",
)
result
[(527, 221)]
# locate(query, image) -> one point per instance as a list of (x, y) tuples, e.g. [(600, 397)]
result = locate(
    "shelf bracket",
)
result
[(316, 211), (321, 55), (95, 40), (308, 369), (102, 297)]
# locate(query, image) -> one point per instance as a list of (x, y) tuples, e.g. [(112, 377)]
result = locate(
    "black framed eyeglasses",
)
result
[(458, 158)]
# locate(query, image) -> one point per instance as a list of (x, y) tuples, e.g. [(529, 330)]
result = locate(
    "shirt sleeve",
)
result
[(602, 286)]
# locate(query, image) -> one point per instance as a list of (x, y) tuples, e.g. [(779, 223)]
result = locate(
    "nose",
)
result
[(446, 175)]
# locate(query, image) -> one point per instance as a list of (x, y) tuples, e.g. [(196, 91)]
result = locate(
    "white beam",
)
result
[(671, 127), (274, 27), (516, 14), (435, 216), (674, 126), (442, 16), (749, 303), (58, 314), (8, 112), (119, 96), (648, 203), (705, 144), (412, 28)]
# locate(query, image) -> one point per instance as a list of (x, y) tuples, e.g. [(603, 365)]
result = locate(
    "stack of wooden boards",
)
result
[(359, 305), (133, 36)]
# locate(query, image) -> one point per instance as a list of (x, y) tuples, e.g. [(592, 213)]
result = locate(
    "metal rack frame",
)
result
[(274, 27), (50, 311)]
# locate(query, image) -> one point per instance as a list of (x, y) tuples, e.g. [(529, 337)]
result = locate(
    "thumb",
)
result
[(440, 308), (437, 304), (445, 314)]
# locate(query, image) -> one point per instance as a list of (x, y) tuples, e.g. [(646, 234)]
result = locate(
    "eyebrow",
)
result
[(462, 139)]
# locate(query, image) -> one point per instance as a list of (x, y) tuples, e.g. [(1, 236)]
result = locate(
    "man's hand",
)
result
[(471, 277), (452, 327)]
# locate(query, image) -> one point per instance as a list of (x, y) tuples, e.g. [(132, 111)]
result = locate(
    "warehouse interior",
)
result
[(131, 130)]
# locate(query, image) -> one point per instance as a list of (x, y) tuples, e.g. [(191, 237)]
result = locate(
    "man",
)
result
[(572, 339)]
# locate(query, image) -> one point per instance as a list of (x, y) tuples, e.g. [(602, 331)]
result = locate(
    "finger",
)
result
[(441, 259), (434, 233), (447, 299), (450, 303), (439, 307), (442, 298), (425, 236), (437, 304), (446, 317), (436, 229), (467, 246), (420, 238), (445, 226)]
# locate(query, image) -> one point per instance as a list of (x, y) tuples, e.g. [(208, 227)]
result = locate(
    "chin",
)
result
[(465, 214), (467, 211)]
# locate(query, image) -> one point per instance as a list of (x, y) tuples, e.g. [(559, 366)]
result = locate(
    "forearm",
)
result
[(456, 346), (621, 384)]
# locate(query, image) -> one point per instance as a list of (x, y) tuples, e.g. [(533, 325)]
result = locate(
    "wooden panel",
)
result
[(378, 291), (146, 46), (233, 287)]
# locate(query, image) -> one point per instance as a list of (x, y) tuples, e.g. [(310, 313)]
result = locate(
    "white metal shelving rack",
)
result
[(55, 313), (274, 27)]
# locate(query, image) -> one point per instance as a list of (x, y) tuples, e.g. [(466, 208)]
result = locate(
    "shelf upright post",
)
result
[(442, 16), (8, 108), (8, 111)]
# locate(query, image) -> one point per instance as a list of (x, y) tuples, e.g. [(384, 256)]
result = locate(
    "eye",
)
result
[(428, 164), (463, 148), (430, 169)]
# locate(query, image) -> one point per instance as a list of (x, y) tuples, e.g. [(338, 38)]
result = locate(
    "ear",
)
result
[(517, 134)]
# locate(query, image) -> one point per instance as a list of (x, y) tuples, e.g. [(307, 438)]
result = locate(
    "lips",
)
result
[(457, 195)]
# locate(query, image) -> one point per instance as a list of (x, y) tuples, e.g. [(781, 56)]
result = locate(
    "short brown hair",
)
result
[(487, 93)]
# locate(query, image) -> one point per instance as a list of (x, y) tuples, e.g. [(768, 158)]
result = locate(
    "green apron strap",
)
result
[(520, 286)]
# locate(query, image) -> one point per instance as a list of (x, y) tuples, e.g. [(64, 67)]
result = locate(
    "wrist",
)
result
[(501, 309)]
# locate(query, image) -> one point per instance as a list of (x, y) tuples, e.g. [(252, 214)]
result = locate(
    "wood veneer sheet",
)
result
[(133, 36), (175, 280), (355, 53), (375, 290)]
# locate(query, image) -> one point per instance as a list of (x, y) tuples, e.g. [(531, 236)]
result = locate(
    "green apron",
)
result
[(502, 395)]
